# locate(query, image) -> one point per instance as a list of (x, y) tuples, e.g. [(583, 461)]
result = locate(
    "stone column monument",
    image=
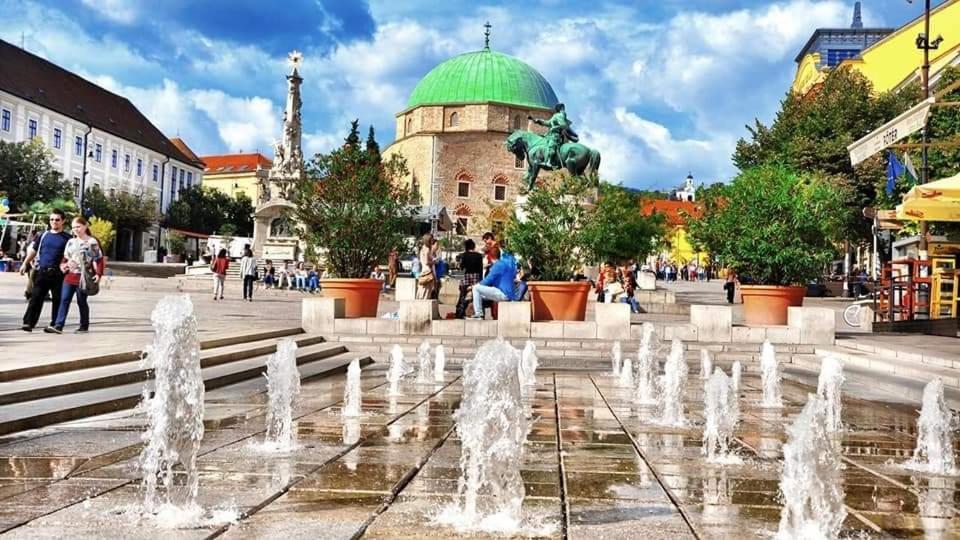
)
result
[(274, 227)]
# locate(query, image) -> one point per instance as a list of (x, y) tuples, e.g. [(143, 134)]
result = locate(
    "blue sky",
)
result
[(661, 87)]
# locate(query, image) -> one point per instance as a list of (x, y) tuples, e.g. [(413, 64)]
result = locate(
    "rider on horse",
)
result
[(558, 132)]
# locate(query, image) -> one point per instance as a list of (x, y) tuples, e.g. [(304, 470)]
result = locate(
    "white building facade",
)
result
[(96, 138)]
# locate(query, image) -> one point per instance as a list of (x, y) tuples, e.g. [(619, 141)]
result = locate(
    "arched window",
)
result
[(409, 126), (517, 122), (462, 215), (454, 119)]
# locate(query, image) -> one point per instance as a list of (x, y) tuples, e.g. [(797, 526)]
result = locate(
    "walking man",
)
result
[(47, 249)]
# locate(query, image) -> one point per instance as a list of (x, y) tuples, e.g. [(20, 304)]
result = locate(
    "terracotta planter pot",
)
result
[(361, 296), (559, 300), (767, 304)]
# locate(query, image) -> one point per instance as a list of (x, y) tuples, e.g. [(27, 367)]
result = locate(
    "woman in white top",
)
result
[(426, 279), (81, 254), (248, 271)]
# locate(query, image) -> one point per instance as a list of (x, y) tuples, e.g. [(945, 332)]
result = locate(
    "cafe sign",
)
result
[(893, 131)]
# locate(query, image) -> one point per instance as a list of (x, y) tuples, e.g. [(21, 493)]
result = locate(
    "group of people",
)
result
[(618, 284), (62, 266), (289, 277), (491, 276), (668, 271)]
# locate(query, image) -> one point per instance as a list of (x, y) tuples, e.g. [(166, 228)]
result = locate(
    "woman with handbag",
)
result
[(82, 267), (426, 279)]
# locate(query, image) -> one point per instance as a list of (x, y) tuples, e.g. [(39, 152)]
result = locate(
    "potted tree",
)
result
[(355, 206), (777, 230), (560, 226)]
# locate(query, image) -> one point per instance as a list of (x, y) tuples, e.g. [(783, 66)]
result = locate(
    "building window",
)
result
[(5, 120), (98, 153), (31, 129), (126, 163), (78, 146), (183, 174), (139, 167), (76, 187), (461, 226), (518, 162), (189, 179), (835, 56), (463, 189), (113, 159), (454, 119), (156, 172), (57, 137), (499, 193), (113, 192), (173, 179), (497, 227), (517, 122), (409, 126)]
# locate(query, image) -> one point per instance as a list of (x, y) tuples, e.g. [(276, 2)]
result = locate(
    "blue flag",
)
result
[(895, 170)]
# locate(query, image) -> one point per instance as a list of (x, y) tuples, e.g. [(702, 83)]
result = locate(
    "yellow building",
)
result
[(889, 58), (234, 174)]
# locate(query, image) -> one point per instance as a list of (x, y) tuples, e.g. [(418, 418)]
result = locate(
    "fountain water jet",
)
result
[(811, 483), (492, 429), (528, 367), (439, 364), (706, 364), (423, 355), (352, 391), (934, 451), (626, 374), (616, 356), (829, 388), (175, 412), (735, 374), (770, 376), (672, 385), (397, 370), (646, 367), (722, 415), (283, 387)]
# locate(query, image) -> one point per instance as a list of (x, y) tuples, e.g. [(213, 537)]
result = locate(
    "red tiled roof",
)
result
[(235, 163), (675, 211), (182, 146)]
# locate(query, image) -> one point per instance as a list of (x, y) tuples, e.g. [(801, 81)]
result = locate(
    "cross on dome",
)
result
[(294, 58), (486, 35)]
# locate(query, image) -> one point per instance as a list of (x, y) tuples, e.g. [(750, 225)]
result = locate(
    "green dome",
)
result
[(483, 76)]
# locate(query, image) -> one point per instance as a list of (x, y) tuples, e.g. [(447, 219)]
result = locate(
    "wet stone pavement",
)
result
[(595, 467)]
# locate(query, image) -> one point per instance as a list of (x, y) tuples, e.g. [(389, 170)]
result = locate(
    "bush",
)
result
[(617, 231), (176, 243), (774, 226), (104, 232), (355, 206)]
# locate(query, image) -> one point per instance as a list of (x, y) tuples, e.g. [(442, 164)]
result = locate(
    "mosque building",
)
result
[(452, 135)]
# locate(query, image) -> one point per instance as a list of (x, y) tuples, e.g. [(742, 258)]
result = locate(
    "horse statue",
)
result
[(575, 157)]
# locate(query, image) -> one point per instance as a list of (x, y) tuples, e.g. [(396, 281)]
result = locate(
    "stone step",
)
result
[(909, 369), (315, 360), (916, 354), (80, 380), (61, 366), (865, 383)]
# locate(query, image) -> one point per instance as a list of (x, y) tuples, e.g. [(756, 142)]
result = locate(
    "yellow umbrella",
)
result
[(934, 201)]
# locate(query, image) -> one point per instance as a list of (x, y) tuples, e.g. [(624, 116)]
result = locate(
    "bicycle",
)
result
[(851, 315)]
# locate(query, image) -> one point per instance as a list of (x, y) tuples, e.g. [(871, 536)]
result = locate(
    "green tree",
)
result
[(811, 134), (354, 205), (104, 232), (617, 231), (353, 138), (124, 210), (206, 210), (27, 174), (372, 147), (773, 225)]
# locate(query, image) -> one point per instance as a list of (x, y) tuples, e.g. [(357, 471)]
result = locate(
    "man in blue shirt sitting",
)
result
[(499, 285), (47, 249)]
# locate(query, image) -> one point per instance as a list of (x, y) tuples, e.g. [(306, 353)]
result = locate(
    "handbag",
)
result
[(425, 278), (87, 284)]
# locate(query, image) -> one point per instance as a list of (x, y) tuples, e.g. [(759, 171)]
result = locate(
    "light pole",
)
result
[(926, 45)]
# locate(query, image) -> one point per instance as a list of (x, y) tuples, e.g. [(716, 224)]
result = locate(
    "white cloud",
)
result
[(121, 11)]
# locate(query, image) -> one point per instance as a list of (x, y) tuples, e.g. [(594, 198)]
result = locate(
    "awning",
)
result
[(188, 234), (934, 201), (428, 214)]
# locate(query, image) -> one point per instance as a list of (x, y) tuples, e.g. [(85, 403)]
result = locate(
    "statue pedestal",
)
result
[(268, 220)]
